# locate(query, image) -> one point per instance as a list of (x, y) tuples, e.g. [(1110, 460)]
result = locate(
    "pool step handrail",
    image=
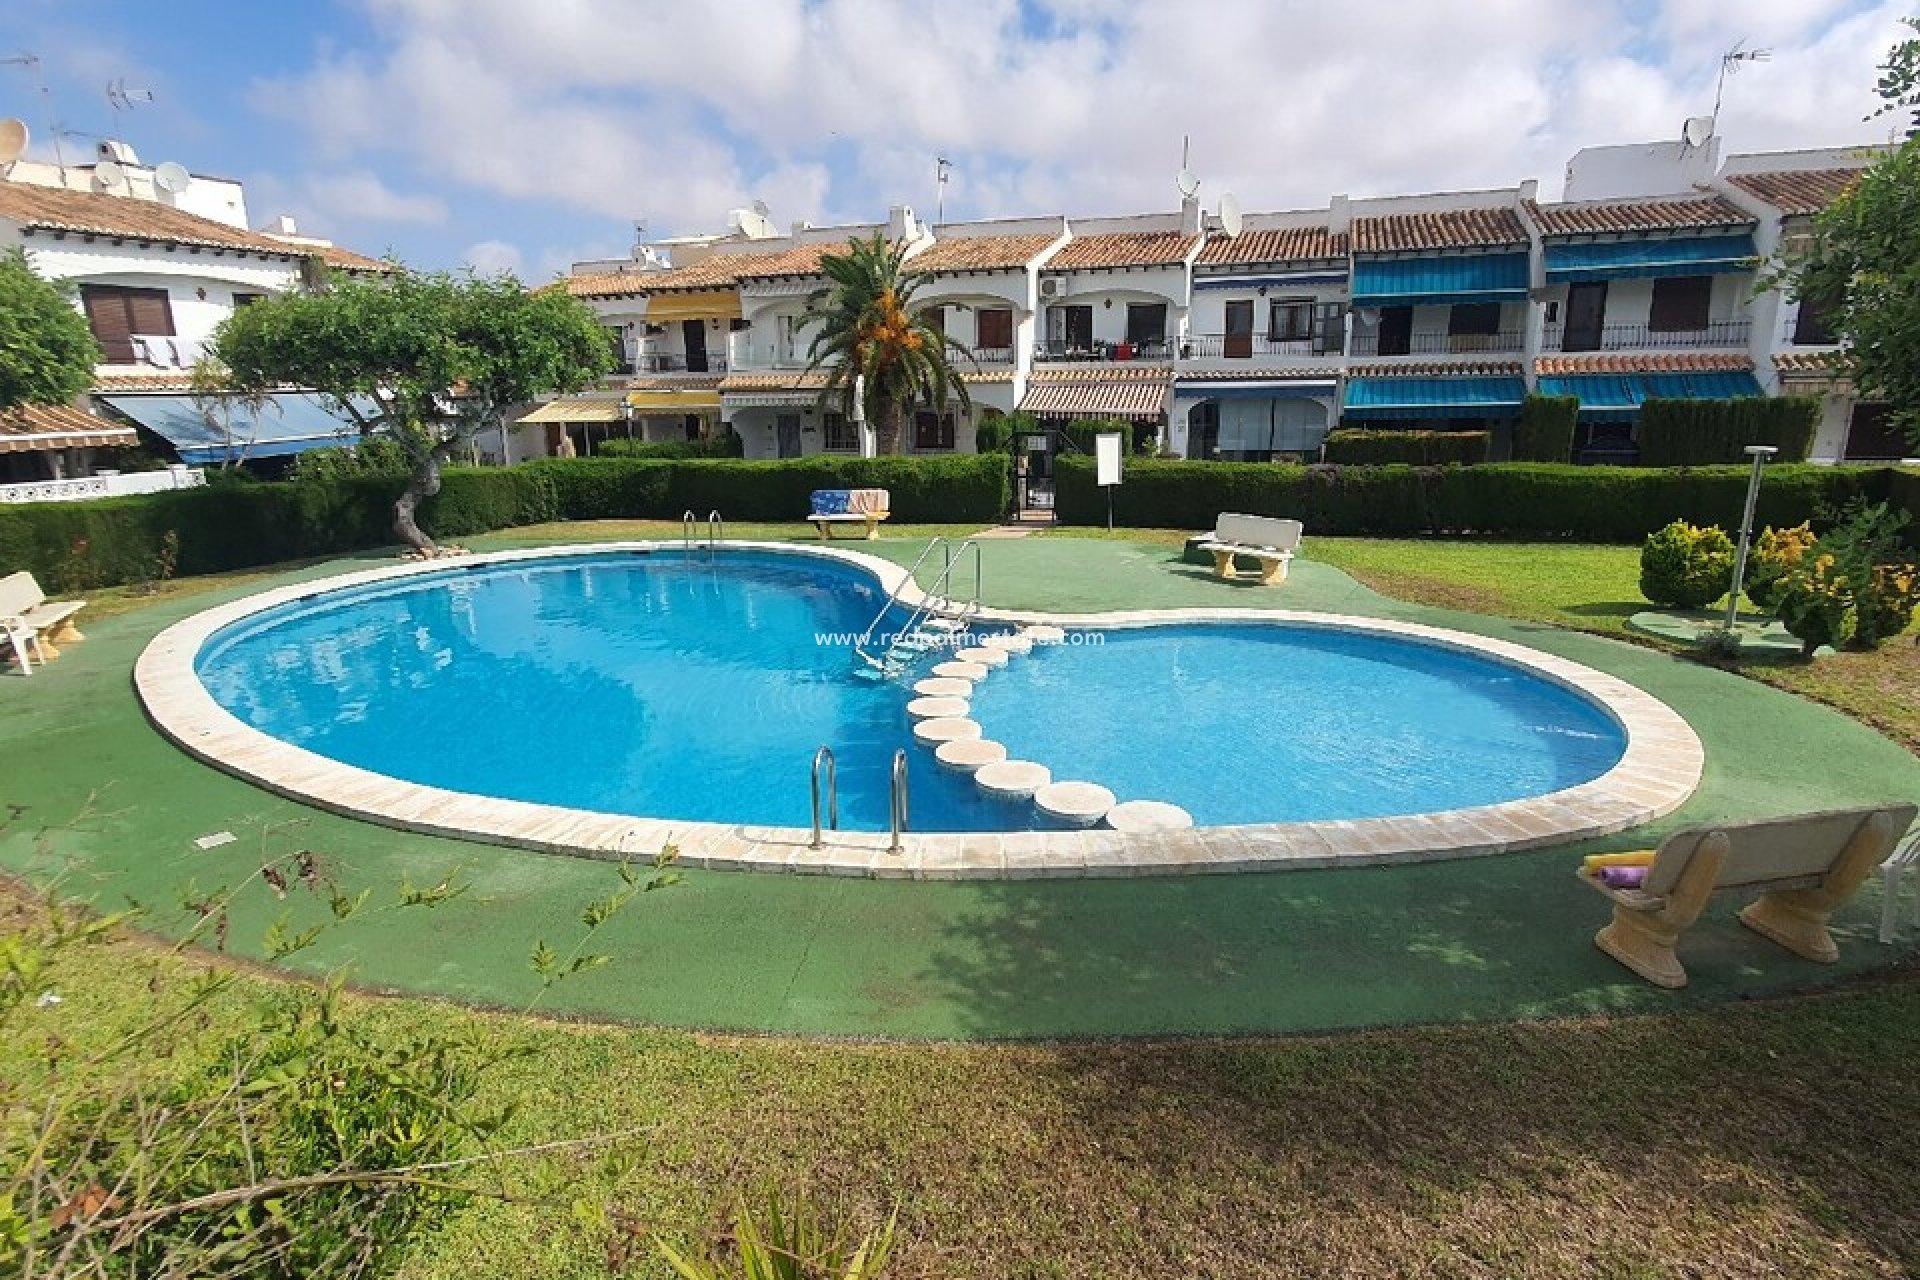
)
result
[(689, 530), (893, 597), (833, 793), (937, 599), (716, 531), (897, 801)]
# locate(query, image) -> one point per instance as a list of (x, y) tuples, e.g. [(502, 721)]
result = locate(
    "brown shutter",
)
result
[(107, 316), (996, 329), (150, 311), (1680, 304)]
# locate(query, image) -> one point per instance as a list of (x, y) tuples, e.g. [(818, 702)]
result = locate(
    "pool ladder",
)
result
[(896, 798), (934, 601), (690, 531)]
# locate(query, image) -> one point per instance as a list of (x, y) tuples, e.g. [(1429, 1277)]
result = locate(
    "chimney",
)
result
[(283, 225), (902, 226), (1339, 215), (800, 226), (1190, 215), (1530, 189)]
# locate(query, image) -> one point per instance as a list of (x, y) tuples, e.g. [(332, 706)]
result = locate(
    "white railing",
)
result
[(107, 484)]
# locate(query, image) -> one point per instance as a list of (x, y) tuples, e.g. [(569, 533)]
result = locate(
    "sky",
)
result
[(525, 134)]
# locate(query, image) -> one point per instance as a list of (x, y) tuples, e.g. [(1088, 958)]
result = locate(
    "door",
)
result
[(1239, 340), (1396, 331), (1586, 312), (1872, 437), (694, 334), (786, 433)]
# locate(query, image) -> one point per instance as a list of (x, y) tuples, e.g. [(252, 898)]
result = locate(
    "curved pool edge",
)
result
[(1658, 771)]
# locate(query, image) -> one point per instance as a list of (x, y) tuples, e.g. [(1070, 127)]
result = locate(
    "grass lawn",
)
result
[(1768, 1138)]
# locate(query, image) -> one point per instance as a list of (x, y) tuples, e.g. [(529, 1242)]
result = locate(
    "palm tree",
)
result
[(875, 344)]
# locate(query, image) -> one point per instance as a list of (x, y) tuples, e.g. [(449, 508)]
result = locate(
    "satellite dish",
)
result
[(760, 207), (109, 176), (1697, 131), (1188, 183), (13, 140), (1230, 220), (172, 178)]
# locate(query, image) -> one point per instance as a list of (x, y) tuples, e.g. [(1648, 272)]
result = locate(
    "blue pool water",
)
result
[(669, 685)]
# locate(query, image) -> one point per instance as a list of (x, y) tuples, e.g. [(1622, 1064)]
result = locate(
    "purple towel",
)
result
[(1623, 877)]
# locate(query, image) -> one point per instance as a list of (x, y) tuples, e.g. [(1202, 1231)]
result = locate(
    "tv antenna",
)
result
[(942, 170), (121, 98), (1186, 181), (52, 118), (1730, 63)]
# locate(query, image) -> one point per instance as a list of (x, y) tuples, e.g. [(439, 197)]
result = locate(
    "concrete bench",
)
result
[(1802, 867), (1271, 542), (865, 508), (27, 608)]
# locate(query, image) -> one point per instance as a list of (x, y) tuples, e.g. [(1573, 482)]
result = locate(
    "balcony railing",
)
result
[(1103, 351), (985, 355), (1248, 346), (1628, 337), (674, 362), (106, 484), (1436, 344)]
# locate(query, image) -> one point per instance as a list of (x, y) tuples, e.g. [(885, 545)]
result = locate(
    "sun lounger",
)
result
[(862, 507), (1272, 542), (24, 606), (1802, 868)]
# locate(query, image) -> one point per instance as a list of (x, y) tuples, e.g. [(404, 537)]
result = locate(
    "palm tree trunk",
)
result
[(892, 416)]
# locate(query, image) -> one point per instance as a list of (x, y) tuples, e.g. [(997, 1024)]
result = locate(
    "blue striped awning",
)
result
[(1626, 259), (288, 423), (1611, 396), (1391, 399), (1462, 277)]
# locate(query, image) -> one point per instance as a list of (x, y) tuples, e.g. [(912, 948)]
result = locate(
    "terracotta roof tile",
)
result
[(1444, 229), (775, 380), (1604, 217), (672, 382), (127, 218), (980, 253), (1807, 361), (986, 375), (58, 426), (1440, 369), (721, 271), (1277, 244), (1119, 371), (1796, 192), (1294, 373), (155, 380), (1650, 362), (1096, 397), (1122, 249)]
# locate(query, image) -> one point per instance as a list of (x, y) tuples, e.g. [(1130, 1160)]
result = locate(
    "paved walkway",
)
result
[(113, 811)]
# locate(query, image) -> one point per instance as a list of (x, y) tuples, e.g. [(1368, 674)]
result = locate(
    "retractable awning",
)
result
[(1625, 259), (1438, 281), (578, 409), (1136, 398), (1392, 399), (231, 430), (674, 401), (1290, 389), (1269, 280), (707, 304), (1616, 395)]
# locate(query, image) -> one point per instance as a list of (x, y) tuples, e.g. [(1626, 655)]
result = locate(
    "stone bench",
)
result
[(863, 507), (1270, 541), (26, 608)]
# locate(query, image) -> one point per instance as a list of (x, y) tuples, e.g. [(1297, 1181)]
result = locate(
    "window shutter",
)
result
[(107, 316), (150, 312), (1680, 304), (996, 329)]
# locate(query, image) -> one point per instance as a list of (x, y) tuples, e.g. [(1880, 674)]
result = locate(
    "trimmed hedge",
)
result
[(723, 444), (1522, 500), (952, 488), (1684, 433), (1361, 446), (1544, 430)]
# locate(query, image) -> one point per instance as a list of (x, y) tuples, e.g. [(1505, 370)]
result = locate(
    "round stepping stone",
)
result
[(944, 687), (937, 708), (1012, 779), (984, 656), (945, 729), (960, 671), (1080, 803), (1012, 642), (1148, 815), (1043, 634), (968, 754)]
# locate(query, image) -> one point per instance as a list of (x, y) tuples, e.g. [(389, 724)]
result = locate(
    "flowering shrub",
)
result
[(1684, 566), (1774, 554), (1816, 604), (1854, 587)]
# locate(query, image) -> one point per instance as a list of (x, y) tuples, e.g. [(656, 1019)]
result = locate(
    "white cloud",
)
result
[(491, 257)]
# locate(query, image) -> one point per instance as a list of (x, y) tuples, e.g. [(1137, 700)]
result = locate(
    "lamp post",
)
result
[(1759, 453)]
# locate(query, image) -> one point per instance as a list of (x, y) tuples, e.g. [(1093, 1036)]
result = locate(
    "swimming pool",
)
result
[(569, 699)]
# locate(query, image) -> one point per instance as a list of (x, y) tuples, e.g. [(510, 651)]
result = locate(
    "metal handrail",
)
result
[(689, 528), (716, 532), (897, 800), (936, 598), (893, 596), (833, 793)]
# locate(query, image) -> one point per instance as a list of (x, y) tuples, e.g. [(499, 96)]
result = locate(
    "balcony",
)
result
[(1247, 346), (1630, 337), (1437, 344), (983, 356), (1102, 352), (674, 362)]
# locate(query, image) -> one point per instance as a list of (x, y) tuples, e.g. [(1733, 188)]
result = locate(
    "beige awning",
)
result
[(578, 409), (29, 428), (1133, 398), (673, 401), (706, 304)]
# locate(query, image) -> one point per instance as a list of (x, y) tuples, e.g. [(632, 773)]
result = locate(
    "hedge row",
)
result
[(1544, 430), (1536, 500), (1362, 446), (722, 444), (74, 546), (1685, 433)]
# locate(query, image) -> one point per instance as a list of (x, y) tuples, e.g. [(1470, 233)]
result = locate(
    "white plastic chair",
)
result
[(23, 638), (1892, 872)]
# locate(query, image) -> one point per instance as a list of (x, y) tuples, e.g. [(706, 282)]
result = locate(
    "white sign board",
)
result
[(1106, 458)]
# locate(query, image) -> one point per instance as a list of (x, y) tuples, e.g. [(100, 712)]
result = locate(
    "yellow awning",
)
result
[(708, 304), (578, 409), (673, 401)]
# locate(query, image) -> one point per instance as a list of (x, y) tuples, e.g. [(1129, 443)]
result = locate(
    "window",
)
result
[(840, 435), (690, 425), (1680, 304), (995, 331), (1810, 327), (1290, 320), (246, 299), (1480, 319), (1146, 323), (117, 314), (1070, 329), (934, 317), (932, 430)]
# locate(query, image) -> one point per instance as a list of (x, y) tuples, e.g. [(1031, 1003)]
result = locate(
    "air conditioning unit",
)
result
[(1052, 288)]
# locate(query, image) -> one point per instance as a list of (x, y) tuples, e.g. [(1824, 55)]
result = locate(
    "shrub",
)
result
[(1081, 433), (1686, 567), (1679, 433), (721, 444), (1361, 445), (997, 432), (1544, 430), (1774, 554), (1855, 586), (1816, 605), (374, 456)]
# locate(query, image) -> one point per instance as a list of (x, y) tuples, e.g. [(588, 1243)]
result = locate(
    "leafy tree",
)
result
[(1899, 83), (874, 343), (428, 360), (47, 353)]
